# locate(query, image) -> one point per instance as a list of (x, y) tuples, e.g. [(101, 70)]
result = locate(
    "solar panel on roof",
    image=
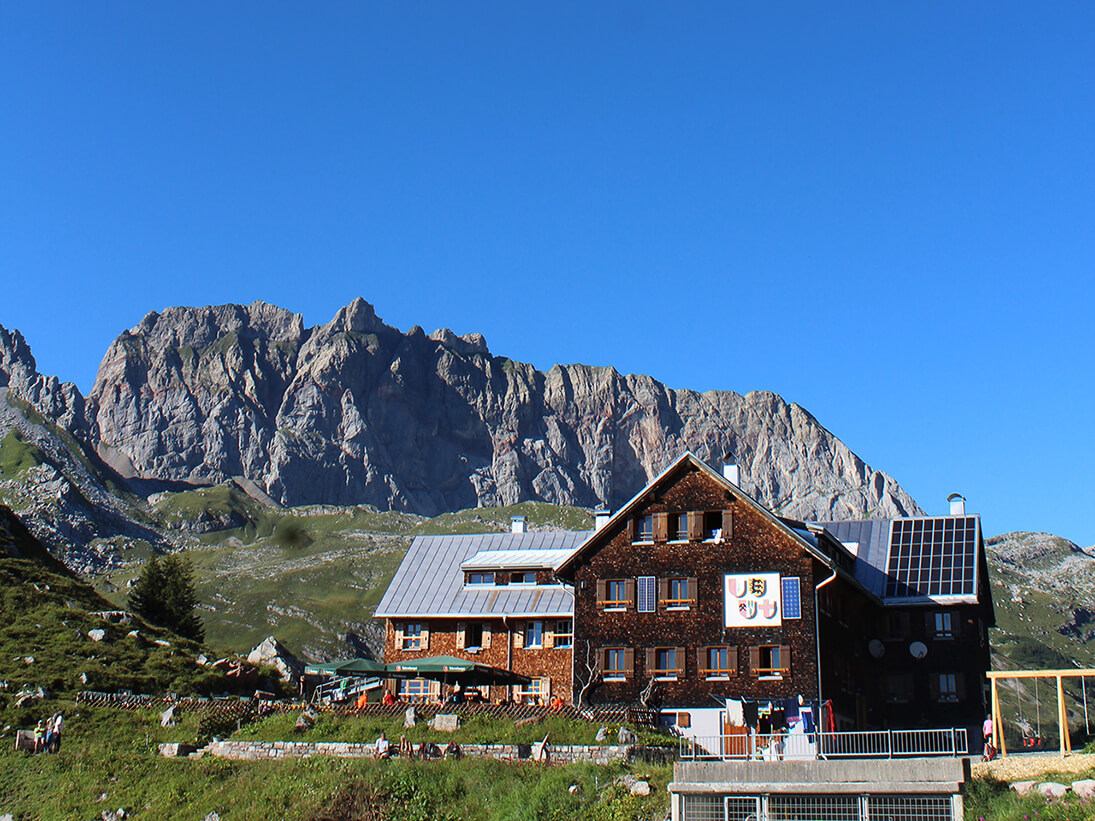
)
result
[(932, 557)]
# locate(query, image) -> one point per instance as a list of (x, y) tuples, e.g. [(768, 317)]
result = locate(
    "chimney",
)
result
[(958, 504), (600, 518), (517, 524), (730, 471)]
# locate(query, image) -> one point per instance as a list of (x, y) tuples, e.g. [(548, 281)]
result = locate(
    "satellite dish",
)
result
[(876, 648), (918, 649)]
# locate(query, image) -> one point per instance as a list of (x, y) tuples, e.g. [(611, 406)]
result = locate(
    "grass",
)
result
[(17, 455), (993, 800), (112, 753)]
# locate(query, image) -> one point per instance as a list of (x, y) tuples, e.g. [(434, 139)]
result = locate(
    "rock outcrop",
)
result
[(355, 411)]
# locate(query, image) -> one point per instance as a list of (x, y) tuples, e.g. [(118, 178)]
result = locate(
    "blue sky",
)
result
[(881, 211)]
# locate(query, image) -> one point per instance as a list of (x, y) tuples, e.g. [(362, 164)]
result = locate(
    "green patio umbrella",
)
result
[(348, 667), (455, 670)]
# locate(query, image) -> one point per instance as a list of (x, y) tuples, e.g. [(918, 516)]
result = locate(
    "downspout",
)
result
[(817, 642)]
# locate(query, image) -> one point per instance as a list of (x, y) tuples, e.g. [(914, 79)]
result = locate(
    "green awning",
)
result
[(348, 667), (454, 670)]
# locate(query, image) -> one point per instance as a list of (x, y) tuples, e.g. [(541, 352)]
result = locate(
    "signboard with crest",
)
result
[(752, 600)]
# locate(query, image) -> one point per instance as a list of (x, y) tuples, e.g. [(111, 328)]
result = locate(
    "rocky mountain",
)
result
[(355, 411)]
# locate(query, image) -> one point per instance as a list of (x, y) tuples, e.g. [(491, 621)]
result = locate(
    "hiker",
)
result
[(39, 736), (58, 724), (383, 748), (986, 731), (452, 750), (406, 749)]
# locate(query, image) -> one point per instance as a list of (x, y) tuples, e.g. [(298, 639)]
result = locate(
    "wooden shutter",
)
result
[(727, 525), (661, 527), (601, 659), (680, 661), (629, 662), (461, 630), (651, 661), (693, 589), (545, 688), (602, 591), (629, 592), (425, 637), (663, 590), (486, 636), (732, 660), (754, 660), (695, 526), (547, 638), (519, 636), (785, 658), (398, 636), (633, 528), (701, 660), (684, 720)]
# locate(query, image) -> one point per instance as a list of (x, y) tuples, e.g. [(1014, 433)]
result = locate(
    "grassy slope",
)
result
[(113, 752), (308, 575)]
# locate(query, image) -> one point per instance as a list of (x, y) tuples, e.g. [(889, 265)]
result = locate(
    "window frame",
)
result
[(528, 632), (679, 533), (774, 669), (614, 673), (419, 694), (524, 580), (564, 639), (479, 579), (678, 602), (615, 603), (943, 625), (644, 529), (665, 673), (711, 673), (411, 640), (470, 626)]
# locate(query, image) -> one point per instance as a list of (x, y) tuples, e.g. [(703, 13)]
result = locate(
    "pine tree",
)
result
[(164, 595)]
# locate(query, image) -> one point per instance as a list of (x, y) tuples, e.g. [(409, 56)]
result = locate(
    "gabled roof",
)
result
[(795, 531), (430, 580)]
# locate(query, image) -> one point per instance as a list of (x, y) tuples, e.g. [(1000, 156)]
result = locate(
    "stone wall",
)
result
[(272, 750)]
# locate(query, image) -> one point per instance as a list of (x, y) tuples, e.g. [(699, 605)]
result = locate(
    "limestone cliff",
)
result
[(355, 411)]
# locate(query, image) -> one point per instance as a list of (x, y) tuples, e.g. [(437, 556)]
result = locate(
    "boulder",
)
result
[(410, 718), (212, 817), (640, 788), (167, 717), (602, 734), (96, 634), (445, 723), (625, 737), (1051, 789), (306, 721), (1084, 788), (30, 696), (1023, 787), (177, 750), (273, 654)]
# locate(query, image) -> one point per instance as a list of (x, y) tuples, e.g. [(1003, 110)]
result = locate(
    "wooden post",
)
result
[(997, 730)]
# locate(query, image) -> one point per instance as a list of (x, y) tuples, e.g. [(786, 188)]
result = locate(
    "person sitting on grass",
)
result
[(383, 748), (406, 749)]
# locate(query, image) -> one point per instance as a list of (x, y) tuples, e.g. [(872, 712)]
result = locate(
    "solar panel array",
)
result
[(933, 557), (792, 597)]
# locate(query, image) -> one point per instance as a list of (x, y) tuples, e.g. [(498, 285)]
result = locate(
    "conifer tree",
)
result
[(164, 595)]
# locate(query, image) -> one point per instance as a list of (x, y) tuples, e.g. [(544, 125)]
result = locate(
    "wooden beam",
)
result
[(1073, 673), (997, 730), (1062, 717)]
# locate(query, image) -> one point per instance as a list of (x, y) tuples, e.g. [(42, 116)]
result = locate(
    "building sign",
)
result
[(752, 600)]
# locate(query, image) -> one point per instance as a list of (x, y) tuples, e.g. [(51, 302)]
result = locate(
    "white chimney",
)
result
[(958, 504), (600, 518), (730, 470), (517, 524)]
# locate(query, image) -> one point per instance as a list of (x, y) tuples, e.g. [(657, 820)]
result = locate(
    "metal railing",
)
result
[(859, 744)]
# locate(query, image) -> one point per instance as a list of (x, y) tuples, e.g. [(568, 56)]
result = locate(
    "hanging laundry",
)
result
[(807, 719), (790, 706), (749, 712), (734, 714)]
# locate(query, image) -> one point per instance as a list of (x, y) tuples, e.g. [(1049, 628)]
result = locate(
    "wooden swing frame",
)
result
[(1062, 714)]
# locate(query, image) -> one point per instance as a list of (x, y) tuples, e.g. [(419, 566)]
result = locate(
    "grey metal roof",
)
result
[(430, 582), (872, 559)]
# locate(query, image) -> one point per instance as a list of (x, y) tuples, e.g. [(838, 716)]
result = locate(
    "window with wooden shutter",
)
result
[(717, 662), (695, 527), (460, 635), (619, 594), (661, 527)]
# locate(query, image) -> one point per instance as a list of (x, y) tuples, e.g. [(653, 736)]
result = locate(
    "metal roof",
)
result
[(430, 581), (515, 560), (872, 561)]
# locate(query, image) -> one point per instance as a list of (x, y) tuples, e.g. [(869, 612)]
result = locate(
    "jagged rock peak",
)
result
[(463, 345), (61, 401), (193, 327), (359, 317)]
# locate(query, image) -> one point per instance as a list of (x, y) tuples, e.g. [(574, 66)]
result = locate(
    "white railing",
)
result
[(864, 744)]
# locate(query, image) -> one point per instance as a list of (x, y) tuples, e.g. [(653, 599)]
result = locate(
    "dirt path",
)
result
[(1027, 767)]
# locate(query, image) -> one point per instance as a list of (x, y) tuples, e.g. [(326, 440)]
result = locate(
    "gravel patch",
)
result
[(1022, 767)]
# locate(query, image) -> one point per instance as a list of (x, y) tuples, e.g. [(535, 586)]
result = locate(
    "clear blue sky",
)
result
[(885, 212)]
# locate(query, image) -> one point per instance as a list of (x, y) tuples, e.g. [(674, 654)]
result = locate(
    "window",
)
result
[(534, 634), (947, 685), (525, 577), (617, 663), (770, 660), (899, 687), (480, 578), (530, 694), (942, 624), (712, 526), (678, 527), (473, 636), (413, 690), (665, 662), (679, 592), (564, 633), (718, 662), (647, 602), (615, 594), (644, 528), (412, 637)]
